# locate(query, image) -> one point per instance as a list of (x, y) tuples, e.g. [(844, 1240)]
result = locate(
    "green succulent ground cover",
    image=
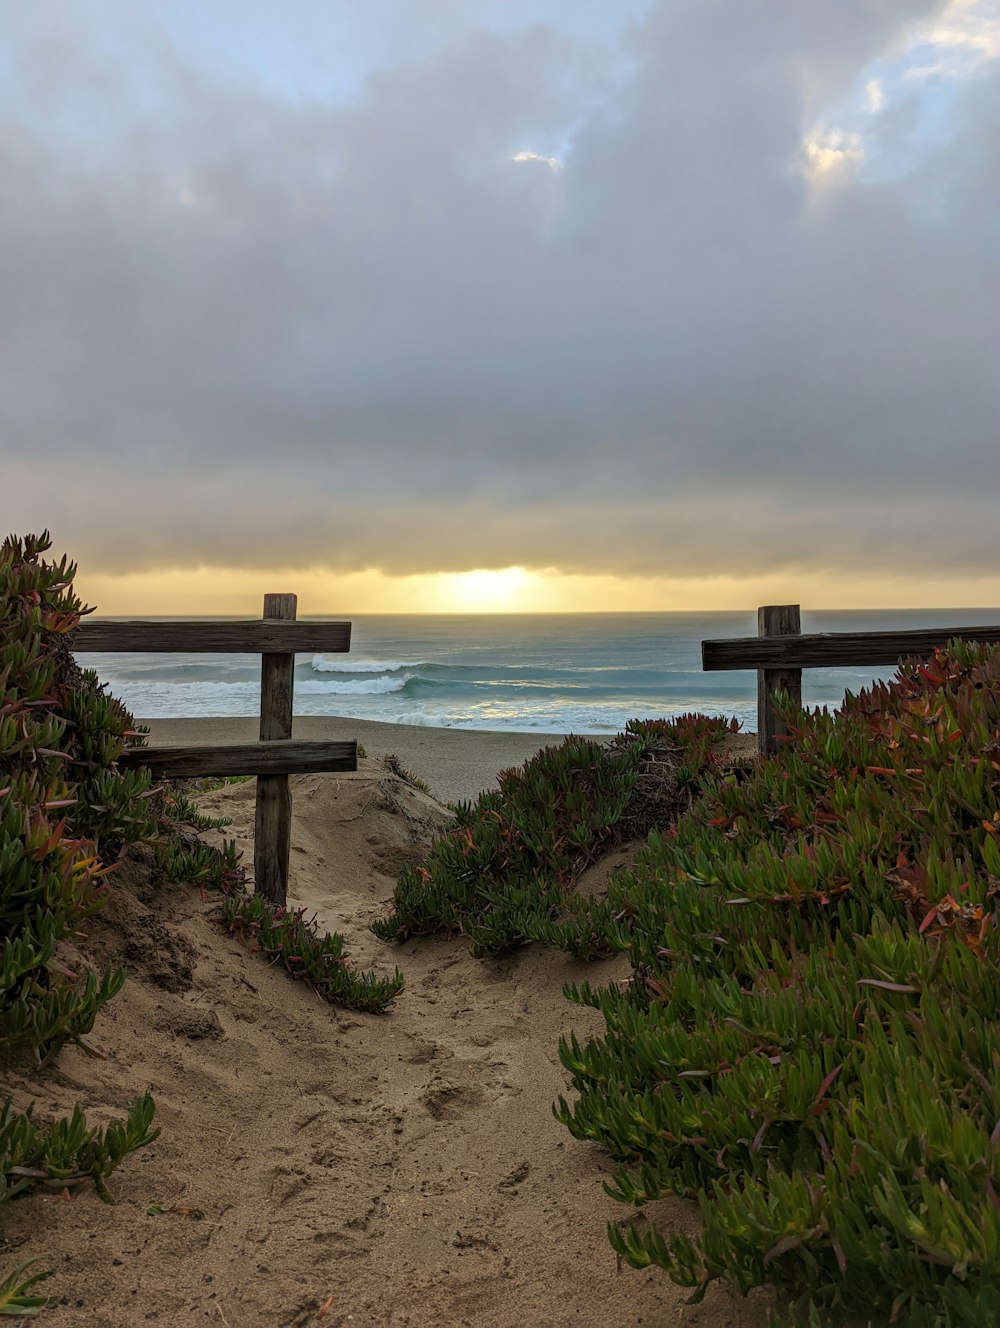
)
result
[(65, 809), (287, 937), (809, 1043), (65, 814), (504, 873)]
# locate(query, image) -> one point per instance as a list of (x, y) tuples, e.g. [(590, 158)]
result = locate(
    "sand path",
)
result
[(327, 1168)]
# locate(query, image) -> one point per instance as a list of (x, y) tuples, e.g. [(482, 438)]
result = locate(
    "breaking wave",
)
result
[(559, 674), (321, 664), (358, 687)]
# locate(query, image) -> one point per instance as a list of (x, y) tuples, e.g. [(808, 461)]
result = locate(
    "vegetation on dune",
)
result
[(65, 809), (16, 1296), (505, 872), (288, 937), (65, 814), (809, 1043), (69, 1152)]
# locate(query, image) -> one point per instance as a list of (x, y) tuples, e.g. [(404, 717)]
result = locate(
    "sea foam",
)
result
[(320, 664), (359, 687)]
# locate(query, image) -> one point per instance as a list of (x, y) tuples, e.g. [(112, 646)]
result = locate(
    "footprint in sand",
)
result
[(450, 1101)]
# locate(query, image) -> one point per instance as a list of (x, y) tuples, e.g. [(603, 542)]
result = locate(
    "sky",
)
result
[(452, 305)]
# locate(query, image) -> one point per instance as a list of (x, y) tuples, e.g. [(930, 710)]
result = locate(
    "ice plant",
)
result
[(809, 1043), (288, 937), (66, 811), (504, 873)]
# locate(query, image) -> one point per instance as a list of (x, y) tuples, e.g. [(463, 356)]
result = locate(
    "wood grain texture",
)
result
[(290, 757), (776, 621), (827, 650), (277, 676), (255, 637), (272, 841)]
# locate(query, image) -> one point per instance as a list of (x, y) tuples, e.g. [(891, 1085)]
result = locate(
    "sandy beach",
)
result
[(454, 763), (319, 1168)]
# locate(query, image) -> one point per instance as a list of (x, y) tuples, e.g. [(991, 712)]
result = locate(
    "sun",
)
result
[(485, 591)]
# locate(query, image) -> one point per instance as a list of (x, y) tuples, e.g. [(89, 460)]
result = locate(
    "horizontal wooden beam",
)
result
[(831, 650), (257, 636), (282, 757)]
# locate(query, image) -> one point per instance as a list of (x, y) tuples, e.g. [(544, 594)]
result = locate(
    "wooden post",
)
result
[(776, 620), (273, 830)]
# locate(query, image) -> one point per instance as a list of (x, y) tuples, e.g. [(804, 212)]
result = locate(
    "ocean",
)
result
[(579, 673)]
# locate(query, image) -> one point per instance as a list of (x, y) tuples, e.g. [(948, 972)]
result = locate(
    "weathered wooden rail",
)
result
[(276, 637), (779, 652)]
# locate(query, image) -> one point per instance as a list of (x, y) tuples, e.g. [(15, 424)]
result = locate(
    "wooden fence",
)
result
[(276, 637), (779, 652)]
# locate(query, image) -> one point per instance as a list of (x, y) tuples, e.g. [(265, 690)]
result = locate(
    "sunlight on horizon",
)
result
[(482, 590), (184, 592)]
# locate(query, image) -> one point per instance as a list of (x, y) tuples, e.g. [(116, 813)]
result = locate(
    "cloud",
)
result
[(248, 327), (833, 156), (553, 163), (969, 28)]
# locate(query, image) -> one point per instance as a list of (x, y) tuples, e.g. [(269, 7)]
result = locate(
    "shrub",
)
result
[(809, 1042), (507, 867), (65, 809), (65, 813)]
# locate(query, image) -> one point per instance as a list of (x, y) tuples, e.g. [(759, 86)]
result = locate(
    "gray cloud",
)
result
[(247, 327)]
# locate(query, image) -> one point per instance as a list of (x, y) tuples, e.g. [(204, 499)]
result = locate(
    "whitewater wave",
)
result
[(495, 724), (358, 687), (320, 664), (583, 720)]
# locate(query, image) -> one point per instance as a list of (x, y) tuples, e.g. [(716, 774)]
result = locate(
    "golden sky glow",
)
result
[(232, 591)]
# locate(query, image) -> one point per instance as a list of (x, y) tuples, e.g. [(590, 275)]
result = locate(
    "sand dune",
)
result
[(323, 1167)]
